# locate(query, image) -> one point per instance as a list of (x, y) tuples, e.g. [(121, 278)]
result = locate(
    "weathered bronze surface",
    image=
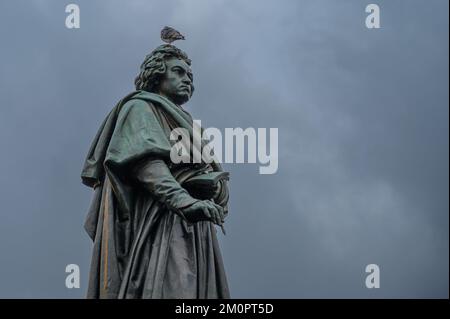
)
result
[(152, 227)]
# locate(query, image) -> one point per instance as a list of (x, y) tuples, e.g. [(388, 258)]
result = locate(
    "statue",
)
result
[(152, 220)]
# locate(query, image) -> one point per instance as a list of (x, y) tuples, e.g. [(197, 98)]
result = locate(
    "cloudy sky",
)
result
[(363, 137)]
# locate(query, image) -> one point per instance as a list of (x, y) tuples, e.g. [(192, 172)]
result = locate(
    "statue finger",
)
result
[(215, 214), (219, 211), (206, 212), (219, 216)]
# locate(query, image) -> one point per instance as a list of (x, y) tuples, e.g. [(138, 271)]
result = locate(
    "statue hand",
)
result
[(204, 210)]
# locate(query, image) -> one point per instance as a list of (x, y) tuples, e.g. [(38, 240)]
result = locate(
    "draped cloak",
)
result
[(142, 247)]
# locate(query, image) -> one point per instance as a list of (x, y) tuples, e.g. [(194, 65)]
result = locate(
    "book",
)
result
[(202, 186), (206, 180)]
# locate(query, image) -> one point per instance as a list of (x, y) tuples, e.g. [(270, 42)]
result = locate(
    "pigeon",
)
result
[(169, 35)]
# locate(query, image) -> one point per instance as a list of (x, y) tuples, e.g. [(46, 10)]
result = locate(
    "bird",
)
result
[(169, 35)]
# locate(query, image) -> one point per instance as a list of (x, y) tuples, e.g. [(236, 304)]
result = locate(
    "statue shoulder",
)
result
[(136, 114), (137, 107)]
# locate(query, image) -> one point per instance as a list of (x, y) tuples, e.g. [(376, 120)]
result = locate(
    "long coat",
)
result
[(142, 247)]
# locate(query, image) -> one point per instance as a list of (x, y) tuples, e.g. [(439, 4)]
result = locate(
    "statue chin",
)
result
[(180, 98)]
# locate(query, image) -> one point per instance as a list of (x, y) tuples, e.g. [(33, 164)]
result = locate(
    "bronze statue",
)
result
[(151, 220)]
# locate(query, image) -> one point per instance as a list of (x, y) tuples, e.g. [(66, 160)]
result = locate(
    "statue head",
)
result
[(166, 71)]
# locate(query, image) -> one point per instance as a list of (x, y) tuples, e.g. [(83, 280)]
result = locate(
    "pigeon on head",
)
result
[(169, 35)]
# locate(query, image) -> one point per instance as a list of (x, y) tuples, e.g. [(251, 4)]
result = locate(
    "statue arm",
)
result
[(155, 176)]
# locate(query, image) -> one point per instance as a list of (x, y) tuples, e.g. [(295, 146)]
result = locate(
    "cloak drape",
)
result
[(142, 247)]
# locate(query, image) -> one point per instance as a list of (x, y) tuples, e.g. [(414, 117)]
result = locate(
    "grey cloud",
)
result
[(363, 131)]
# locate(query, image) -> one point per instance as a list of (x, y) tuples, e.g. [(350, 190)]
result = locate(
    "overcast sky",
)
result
[(363, 137)]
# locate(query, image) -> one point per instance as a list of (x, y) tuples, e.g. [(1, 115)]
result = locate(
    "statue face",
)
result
[(176, 83)]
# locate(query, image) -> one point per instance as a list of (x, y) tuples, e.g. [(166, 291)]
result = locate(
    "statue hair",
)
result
[(153, 68)]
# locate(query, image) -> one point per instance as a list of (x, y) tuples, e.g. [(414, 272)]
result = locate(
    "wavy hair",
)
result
[(153, 68)]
